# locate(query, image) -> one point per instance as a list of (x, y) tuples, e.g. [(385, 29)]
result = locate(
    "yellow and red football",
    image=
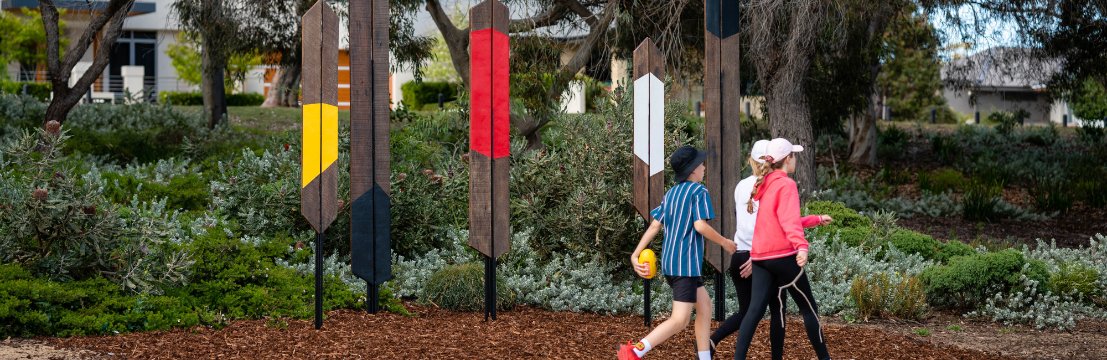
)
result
[(647, 257)]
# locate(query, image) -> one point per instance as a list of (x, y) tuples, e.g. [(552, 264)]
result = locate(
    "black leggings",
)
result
[(770, 278), (742, 286)]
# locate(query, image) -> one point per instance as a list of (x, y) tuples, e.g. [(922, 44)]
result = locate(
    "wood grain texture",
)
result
[(370, 228), (722, 131), (489, 161), (648, 189), (319, 196)]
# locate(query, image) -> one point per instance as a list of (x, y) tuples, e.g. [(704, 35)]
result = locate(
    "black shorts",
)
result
[(684, 287)]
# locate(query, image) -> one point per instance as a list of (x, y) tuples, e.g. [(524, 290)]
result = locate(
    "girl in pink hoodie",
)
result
[(779, 250)]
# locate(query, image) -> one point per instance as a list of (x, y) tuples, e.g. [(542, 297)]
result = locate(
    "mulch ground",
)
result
[(433, 333)]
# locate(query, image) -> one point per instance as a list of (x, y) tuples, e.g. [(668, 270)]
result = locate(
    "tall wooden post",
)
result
[(649, 139), (370, 218), (489, 145), (722, 129), (319, 176)]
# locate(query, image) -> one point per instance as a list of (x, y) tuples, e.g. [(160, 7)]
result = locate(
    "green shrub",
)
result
[(196, 98), (966, 281), (247, 99), (1092, 132), (892, 143), (981, 202), (945, 148), (844, 217), (175, 98), (856, 236), (241, 280), (853, 229), (38, 90), (954, 248), (136, 132), (461, 288), (187, 192), (1075, 279), (57, 224), (1052, 193), (417, 94), (913, 242), (19, 113), (889, 296), (1093, 191), (1006, 122), (35, 307), (940, 181)]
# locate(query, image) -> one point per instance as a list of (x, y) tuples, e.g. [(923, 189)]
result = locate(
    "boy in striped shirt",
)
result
[(683, 214)]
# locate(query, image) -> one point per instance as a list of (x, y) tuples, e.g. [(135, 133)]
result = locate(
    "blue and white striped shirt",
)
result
[(683, 205)]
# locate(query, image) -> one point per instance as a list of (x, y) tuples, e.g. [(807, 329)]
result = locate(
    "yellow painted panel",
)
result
[(310, 144), (329, 136)]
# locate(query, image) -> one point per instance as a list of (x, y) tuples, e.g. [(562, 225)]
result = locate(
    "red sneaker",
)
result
[(626, 352)]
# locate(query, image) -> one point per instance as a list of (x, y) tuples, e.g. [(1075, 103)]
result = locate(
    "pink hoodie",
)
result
[(779, 231)]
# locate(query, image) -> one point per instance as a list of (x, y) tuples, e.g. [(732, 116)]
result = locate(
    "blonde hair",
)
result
[(760, 170)]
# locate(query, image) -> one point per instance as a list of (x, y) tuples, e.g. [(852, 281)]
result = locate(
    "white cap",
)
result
[(780, 148), (758, 150)]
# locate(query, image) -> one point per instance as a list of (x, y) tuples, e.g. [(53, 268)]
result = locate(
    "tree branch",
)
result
[(547, 18), (101, 59), (50, 23), (457, 40), (581, 11), (584, 52)]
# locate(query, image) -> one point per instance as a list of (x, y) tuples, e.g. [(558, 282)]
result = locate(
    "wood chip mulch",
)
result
[(525, 332)]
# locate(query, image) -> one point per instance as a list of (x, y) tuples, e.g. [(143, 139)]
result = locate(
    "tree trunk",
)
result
[(790, 118), (862, 134), (60, 69), (283, 88), (62, 104), (273, 95), (215, 97), (290, 86)]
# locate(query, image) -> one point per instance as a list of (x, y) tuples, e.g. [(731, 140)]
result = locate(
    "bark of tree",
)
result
[(862, 132), (213, 63), (782, 46), (66, 97), (528, 124), (283, 88), (862, 126)]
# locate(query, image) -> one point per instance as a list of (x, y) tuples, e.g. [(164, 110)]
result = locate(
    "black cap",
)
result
[(685, 160)]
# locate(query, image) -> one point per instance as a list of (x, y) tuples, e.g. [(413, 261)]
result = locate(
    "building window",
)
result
[(134, 48)]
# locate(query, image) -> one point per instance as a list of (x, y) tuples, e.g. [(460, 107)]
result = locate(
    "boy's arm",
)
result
[(647, 237), (709, 233)]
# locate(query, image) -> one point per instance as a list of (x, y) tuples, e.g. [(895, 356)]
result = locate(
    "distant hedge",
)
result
[(38, 90), (418, 94), (197, 98)]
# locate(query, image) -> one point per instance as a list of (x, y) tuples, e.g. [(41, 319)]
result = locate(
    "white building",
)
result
[(1005, 79)]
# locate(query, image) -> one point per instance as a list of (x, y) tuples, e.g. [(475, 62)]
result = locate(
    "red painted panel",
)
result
[(490, 94)]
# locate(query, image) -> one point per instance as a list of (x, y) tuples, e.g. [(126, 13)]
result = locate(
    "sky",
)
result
[(997, 33)]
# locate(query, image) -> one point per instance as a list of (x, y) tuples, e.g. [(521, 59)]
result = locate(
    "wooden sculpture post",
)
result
[(319, 177), (649, 139), (722, 129), (489, 146), (370, 220)]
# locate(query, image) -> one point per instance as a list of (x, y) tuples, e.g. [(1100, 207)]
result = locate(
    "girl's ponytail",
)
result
[(760, 170)]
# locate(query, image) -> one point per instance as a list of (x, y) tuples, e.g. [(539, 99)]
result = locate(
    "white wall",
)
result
[(1038, 105), (160, 19), (167, 75)]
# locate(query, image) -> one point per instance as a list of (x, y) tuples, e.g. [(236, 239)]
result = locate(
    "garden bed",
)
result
[(521, 333)]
